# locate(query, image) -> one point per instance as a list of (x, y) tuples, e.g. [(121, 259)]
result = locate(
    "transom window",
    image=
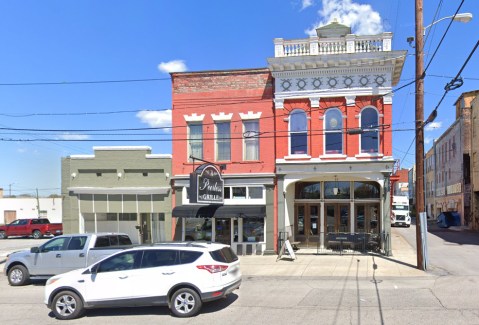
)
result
[(298, 133), (333, 130)]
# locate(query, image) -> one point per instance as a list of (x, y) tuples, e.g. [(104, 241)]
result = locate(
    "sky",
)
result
[(78, 74)]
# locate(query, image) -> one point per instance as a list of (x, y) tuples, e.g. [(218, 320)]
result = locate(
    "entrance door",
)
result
[(307, 225), (337, 218), (145, 230), (223, 230), (367, 219)]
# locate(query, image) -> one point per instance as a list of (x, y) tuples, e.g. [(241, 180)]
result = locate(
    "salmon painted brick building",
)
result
[(226, 118), (304, 145)]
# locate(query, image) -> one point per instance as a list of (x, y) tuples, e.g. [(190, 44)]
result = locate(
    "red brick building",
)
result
[(226, 118), (312, 133)]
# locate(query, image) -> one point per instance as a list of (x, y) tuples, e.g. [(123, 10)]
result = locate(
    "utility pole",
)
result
[(419, 130)]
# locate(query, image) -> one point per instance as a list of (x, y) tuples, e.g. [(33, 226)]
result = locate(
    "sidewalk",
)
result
[(402, 263)]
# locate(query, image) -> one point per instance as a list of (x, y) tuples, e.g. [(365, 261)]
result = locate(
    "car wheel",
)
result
[(3, 235), (18, 275), (185, 302), (37, 234), (67, 305)]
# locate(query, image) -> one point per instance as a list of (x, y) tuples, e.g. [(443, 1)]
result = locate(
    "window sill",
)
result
[(293, 157), (333, 156), (369, 155)]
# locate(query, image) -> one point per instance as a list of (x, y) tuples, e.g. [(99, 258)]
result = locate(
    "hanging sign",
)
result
[(206, 185)]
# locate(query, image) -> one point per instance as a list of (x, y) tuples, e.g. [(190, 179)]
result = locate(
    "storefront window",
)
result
[(366, 190), (337, 190), (253, 229), (308, 190), (197, 229)]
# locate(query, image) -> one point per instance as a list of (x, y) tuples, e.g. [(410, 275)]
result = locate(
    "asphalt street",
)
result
[(299, 296)]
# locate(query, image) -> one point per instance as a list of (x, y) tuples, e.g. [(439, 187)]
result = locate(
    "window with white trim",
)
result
[(298, 133), (223, 141), (369, 126), (333, 131), (251, 139), (195, 140)]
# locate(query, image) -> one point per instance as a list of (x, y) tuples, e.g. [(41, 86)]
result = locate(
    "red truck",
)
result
[(37, 228)]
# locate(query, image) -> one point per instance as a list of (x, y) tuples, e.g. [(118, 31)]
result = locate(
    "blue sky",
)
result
[(119, 41)]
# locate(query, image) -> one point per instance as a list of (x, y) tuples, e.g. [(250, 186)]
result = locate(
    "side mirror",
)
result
[(34, 250)]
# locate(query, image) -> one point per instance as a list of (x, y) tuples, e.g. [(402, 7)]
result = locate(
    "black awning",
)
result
[(241, 211), (195, 211), (219, 211)]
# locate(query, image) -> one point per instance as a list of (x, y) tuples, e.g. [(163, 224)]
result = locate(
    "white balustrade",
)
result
[(348, 44)]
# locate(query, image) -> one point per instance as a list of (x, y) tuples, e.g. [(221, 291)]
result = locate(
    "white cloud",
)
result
[(433, 125), (21, 150), (156, 119), (306, 3), (172, 66), (71, 136), (427, 140), (362, 18)]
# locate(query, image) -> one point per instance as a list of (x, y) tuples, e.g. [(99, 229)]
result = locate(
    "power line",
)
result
[(81, 82)]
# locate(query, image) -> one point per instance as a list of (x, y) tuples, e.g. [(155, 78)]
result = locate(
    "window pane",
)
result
[(298, 128), (253, 229), (251, 145), (299, 143), (336, 190), (255, 192), (155, 258), (239, 193), (298, 121), (370, 137), (334, 132), (120, 262), (308, 190), (196, 140), (369, 142), (334, 143), (366, 190), (197, 229), (223, 138)]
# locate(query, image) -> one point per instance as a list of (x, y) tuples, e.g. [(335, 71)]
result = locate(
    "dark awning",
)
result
[(194, 211), (219, 211), (241, 211)]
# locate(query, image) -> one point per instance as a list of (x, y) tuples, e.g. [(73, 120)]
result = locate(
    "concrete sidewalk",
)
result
[(402, 263)]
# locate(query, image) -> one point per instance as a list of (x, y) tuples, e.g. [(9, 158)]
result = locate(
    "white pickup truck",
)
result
[(62, 254)]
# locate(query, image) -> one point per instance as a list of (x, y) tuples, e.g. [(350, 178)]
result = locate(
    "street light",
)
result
[(419, 101), (462, 18)]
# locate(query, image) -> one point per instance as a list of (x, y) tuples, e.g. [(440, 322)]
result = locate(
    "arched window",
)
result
[(333, 130), (298, 133), (370, 126)]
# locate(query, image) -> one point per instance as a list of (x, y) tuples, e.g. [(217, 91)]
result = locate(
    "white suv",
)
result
[(179, 275)]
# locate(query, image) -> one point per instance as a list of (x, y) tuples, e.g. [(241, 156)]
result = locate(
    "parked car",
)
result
[(179, 275), (62, 254), (36, 227)]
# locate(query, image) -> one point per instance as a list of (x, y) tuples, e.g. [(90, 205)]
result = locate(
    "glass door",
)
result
[(307, 226), (223, 230), (337, 218)]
